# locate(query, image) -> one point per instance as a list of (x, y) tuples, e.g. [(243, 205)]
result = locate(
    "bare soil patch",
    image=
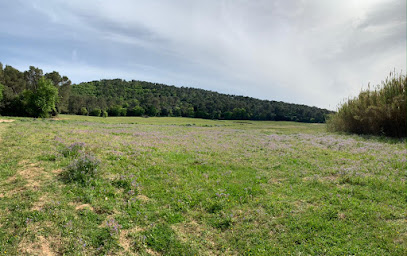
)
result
[(6, 120), (41, 247), (32, 175), (84, 206), (28, 172)]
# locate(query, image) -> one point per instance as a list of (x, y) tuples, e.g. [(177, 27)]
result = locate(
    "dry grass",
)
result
[(41, 246), (6, 120), (143, 198), (39, 205), (84, 206)]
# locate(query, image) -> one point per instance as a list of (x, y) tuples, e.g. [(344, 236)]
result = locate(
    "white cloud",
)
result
[(309, 52)]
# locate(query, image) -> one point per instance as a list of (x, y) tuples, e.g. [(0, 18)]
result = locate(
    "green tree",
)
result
[(32, 77), (1, 73), (1, 92), (41, 101), (95, 112), (84, 111), (64, 89), (136, 111), (114, 111), (14, 79)]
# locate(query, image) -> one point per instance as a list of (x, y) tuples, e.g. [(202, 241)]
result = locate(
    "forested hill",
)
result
[(121, 97), (138, 98)]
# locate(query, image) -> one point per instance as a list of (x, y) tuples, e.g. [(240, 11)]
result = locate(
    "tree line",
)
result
[(33, 93)]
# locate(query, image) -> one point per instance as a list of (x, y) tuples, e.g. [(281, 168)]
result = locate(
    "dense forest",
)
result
[(32, 93)]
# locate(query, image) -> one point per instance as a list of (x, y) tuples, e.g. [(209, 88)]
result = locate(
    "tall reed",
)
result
[(381, 111)]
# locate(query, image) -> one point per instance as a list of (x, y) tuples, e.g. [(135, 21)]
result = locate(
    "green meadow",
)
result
[(79, 185)]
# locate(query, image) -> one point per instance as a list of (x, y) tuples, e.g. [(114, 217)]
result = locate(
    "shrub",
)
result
[(123, 112), (117, 111), (95, 112), (83, 169), (72, 150), (84, 111), (378, 112), (104, 113), (136, 111)]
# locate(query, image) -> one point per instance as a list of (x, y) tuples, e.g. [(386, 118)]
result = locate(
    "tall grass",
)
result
[(381, 111)]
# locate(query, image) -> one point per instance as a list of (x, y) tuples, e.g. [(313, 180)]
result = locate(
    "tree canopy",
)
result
[(40, 102), (32, 93)]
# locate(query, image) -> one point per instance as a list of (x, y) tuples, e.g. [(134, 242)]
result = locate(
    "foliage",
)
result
[(139, 98), (73, 150), (1, 91), (29, 93), (83, 169), (117, 111), (95, 112), (41, 101), (136, 98), (136, 111), (84, 111), (381, 111)]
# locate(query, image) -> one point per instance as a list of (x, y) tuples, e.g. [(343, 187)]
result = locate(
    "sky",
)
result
[(312, 52)]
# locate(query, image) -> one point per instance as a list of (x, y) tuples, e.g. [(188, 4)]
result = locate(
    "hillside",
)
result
[(139, 98), (134, 98)]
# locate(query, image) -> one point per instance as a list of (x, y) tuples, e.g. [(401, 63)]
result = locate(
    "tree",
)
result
[(41, 101), (64, 89), (1, 73), (32, 77), (1, 92), (152, 110), (95, 112), (14, 79), (136, 111)]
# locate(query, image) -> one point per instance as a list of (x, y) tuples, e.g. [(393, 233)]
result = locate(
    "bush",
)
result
[(136, 111), (83, 169), (123, 112), (104, 113), (72, 150), (117, 111), (95, 112), (378, 112), (84, 111)]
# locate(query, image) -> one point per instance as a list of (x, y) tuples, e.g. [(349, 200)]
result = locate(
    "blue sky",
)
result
[(313, 52)]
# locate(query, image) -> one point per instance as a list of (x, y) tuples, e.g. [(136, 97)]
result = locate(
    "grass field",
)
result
[(179, 186)]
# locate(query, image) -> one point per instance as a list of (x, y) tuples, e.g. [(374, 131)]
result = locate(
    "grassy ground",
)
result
[(178, 186)]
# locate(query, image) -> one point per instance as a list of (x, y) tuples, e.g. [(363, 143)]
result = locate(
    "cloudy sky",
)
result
[(314, 52)]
